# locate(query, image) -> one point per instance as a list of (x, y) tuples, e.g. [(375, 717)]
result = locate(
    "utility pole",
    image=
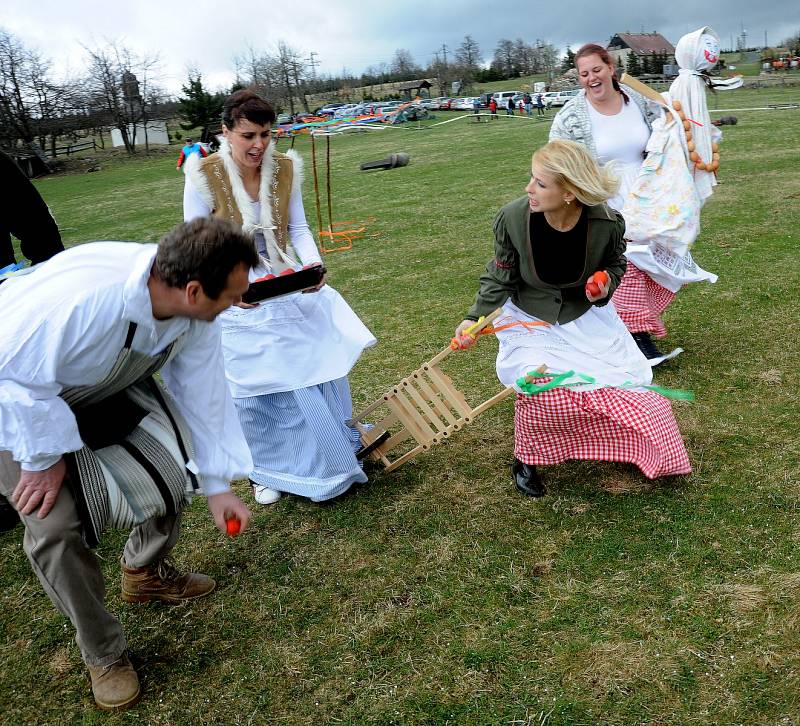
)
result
[(313, 63)]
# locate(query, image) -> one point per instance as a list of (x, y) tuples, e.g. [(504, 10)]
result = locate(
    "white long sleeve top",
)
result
[(64, 325), (299, 232)]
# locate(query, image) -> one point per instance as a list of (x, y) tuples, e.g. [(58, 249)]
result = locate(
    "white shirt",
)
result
[(621, 139), (65, 323), (291, 342), (299, 232)]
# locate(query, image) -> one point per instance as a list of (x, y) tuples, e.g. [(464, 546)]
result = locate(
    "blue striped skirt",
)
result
[(300, 442)]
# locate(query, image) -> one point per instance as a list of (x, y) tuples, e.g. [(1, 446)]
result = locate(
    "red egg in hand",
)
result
[(593, 289)]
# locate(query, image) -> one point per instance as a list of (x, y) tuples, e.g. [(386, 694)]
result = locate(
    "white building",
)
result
[(155, 133)]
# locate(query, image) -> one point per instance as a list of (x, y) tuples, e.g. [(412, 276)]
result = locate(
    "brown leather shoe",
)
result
[(115, 687), (162, 581)]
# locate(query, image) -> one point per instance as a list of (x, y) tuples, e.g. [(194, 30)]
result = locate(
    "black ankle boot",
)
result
[(646, 345), (527, 479), (8, 515)]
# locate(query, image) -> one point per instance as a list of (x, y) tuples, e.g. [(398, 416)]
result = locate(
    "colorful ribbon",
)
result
[(527, 385)]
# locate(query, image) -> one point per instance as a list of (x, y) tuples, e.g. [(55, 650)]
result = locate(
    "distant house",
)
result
[(622, 45)]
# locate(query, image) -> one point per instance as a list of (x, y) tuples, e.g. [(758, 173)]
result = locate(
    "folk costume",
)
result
[(654, 273), (539, 275), (78, 349), (287, 360)]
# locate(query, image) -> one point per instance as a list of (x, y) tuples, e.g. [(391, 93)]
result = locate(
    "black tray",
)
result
[(268, 287)]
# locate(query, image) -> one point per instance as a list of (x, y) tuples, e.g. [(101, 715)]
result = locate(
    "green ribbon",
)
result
[(561, 380)]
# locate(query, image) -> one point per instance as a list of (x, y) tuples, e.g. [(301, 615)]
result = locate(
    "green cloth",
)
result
[(511, 274)]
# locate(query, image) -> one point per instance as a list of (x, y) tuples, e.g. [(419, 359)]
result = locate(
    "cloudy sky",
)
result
[(353, 35)]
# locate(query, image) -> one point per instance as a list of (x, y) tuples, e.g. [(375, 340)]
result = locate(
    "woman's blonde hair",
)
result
[(574, 169)]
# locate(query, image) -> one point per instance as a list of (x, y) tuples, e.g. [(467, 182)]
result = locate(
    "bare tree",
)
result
[(468, 54), (504, 57), (403, 67), (25, 87), (118, 83)]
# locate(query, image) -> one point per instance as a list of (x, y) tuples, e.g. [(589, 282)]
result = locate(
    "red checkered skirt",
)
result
[(606, 424), (640, 302)]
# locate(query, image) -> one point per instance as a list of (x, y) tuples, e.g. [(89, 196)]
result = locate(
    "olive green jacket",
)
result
[(511, 274)]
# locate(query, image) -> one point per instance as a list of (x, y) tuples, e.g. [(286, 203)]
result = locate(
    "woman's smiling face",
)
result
[(595, 77)]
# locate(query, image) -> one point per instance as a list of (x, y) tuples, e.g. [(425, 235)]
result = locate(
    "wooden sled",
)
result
[(425, 406)]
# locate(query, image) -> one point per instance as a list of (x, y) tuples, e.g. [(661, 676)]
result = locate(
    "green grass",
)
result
[(436, 594)]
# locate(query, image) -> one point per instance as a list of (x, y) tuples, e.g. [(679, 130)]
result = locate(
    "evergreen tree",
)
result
[(632, 68), (199, 108), (568, 61)]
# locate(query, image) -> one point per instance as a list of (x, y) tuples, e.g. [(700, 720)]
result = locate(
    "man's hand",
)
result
[(226, 505), (39, 487)]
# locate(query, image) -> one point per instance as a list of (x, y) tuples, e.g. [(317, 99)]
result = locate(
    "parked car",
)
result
[(461, 104), (553, 99), (284, 118), (428, 103), (444, 103), (329, 109), (346, 110), (387, 107), (501, 98)]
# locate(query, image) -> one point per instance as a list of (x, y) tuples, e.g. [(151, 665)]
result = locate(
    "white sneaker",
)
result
[(265, 495)]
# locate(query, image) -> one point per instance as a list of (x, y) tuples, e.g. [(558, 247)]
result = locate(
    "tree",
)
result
[(468, 54), (198, 107), (115, 90), (568, 62), (403, 67), (632, 67), (504, 57), (467, 64), (27, 95)]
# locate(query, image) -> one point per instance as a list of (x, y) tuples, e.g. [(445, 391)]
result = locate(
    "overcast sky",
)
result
[(354, 35)]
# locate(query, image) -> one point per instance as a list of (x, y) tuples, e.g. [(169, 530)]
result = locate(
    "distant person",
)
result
[(190, 148), (510, 107), (27, 217), (476, 105), (528, 101), (539, 104), (493, 108)]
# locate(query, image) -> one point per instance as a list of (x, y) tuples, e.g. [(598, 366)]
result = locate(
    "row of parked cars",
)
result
[(551, 99)]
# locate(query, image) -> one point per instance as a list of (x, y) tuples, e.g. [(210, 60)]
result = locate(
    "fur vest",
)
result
[(219, 182)]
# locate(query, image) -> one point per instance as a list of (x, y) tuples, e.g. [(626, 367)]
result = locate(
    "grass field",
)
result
[(437, 594)]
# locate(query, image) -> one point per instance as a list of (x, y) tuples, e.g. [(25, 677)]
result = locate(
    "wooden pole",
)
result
[(328, 172), (642, 88), (316, 186)]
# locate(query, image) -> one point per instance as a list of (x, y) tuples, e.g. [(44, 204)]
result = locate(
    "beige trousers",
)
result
[(70, 573)]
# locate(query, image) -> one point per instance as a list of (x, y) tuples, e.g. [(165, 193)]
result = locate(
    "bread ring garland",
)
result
[(699, 164)]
